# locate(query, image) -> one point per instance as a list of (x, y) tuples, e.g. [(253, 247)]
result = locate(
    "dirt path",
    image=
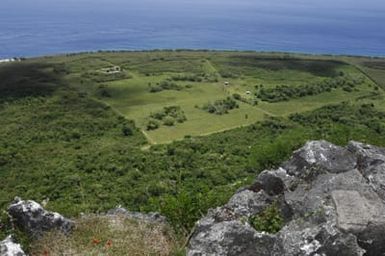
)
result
[(210, 67)]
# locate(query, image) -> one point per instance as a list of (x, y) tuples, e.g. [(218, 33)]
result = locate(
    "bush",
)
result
[(127, 131), (237, 96), (221, 107), (187, 77), (156, 89), (165, 85), (347, 89), (169, 115), (152, 125), (270, 220), (169, 121)]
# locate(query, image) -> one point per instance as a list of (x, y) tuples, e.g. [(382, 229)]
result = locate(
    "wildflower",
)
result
[(95, 241), (108, 244)]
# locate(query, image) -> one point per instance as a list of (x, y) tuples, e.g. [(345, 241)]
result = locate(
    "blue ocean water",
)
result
[(44, 27)]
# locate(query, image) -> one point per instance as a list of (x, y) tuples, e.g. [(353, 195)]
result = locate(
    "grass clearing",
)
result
[(109, 235), (244, 72)]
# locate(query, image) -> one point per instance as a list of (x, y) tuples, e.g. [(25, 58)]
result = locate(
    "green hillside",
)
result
[(172, 131)]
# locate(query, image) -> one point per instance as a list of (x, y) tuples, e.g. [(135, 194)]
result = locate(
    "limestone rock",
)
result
[(332, 199), (247, 203), (323, 155), (9, 248), (31, 217), (371, 163), (232, 238)]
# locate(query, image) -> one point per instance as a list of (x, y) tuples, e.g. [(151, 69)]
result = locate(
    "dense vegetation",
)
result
[(220, 107), (165, 85), (169, 116), (213, 77), (58, 142), (90, 152), (247, 64), (285, 92)]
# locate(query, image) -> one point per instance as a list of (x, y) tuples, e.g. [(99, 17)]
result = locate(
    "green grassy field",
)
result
[(130, 95)]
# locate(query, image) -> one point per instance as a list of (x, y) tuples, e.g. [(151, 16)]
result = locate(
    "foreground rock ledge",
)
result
[(9, 248), (35, 220), (332, 199)]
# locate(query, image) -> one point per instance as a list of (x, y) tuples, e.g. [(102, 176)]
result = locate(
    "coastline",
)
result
[(291, 53)]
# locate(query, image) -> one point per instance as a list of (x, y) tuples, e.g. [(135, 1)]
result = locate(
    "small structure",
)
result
[(227, 83), (8, 60), (111, 70), (248, 92)]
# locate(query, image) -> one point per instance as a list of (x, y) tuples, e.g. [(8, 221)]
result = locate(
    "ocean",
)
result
[(45, 27)]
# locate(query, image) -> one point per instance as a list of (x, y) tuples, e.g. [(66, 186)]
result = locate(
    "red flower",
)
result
[(95, 241), (108, 244)]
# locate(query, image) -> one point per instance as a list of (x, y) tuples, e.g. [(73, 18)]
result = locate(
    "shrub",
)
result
[(127, 131), (169, 115), (269, 220), (187, 77), (169, 121), (347, 88), (165, 85), (156, 89), (104, 93), (237, 96), (221, 107), (152, 125)]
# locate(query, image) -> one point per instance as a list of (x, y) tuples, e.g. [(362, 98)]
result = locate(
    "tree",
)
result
[(127, 131)]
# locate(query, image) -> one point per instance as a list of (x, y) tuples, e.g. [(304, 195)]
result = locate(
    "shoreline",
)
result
[(19, 58)]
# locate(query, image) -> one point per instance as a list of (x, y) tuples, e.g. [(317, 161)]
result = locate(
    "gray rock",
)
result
[(232, 238), (333, 197), (371, 163), (9, 248), (308, 237), (274, 182), (246, 203), (322, 155), (356, 212), (31, 217)]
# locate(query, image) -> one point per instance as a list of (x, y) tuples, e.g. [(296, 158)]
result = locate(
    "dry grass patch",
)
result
[(109, 235)]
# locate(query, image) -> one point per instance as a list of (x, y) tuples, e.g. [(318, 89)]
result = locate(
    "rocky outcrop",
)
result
[(331, 198), (32, 218), (9, 248)]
